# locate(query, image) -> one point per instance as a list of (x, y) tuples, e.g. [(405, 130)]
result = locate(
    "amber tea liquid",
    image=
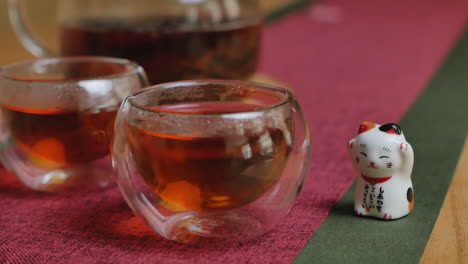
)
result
[(209, 173), (168, 48), (52, 138)]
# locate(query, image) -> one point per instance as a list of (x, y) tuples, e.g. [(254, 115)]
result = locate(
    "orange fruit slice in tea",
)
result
[(181, 196), (47, 153)]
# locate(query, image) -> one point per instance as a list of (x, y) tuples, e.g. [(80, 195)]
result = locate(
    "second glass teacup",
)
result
[(211, 160), (57, 116)]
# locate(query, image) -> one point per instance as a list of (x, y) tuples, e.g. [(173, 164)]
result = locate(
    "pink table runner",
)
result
[(349, 61)]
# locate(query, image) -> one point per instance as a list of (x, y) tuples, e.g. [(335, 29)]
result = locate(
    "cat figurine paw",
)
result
[(383, 160)]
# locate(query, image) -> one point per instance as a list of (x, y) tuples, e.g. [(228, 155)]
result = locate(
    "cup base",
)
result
[(94, 174), (216, 227)]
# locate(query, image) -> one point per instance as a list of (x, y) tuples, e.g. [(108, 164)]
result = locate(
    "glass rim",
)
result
[(133, 68), (288, 97)]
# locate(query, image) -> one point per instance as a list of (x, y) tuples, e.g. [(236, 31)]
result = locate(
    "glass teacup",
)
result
[(57, 117), (211, 160)]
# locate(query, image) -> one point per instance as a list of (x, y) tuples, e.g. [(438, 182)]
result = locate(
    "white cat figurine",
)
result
[(383, 160)]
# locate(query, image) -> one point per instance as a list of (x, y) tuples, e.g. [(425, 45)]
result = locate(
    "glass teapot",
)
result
[(172, 39)]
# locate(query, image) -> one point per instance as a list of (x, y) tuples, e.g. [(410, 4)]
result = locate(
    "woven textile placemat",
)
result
[(348, 61)]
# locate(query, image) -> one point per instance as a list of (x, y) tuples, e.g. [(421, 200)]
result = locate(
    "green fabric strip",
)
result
[(436, 126), (277, 14)]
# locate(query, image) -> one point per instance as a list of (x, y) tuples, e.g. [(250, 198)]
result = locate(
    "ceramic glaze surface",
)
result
[(383, 160)]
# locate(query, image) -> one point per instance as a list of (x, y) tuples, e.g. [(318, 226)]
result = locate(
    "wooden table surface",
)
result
[(449, 240)]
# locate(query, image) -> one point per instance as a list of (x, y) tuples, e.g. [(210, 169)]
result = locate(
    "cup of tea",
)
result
[(211, 160), (172, 40), (57, 116)]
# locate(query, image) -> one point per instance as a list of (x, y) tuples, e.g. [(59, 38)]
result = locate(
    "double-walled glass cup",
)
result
[(57, 116), (211, 160)]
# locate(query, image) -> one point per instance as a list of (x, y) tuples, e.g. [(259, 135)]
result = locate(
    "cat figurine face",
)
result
[(383, 160)]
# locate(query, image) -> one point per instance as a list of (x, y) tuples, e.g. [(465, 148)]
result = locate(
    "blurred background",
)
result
[(42, 15)]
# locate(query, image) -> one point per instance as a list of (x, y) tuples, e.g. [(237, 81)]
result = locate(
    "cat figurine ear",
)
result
[(383, 161)]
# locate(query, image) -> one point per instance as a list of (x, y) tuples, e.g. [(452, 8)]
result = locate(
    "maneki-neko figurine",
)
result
[(383, 160)]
